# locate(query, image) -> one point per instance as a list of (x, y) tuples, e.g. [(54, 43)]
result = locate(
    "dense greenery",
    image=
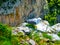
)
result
[(58, 34), (54, 10), (31, 26), (54, 5), (47, 36), (5, 35)]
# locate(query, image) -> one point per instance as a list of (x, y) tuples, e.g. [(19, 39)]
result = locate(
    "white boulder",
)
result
[(24, 24), (21, 29), (54, 37), (34, 20), (56, 27), (43, 26), (32, 42)]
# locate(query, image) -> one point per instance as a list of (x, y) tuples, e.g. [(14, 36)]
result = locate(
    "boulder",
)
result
[(43, 26), (56, 27), (33, 21), (32, 42), (54, 37)]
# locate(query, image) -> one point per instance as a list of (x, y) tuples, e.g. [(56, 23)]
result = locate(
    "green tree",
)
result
[(54, 10), (5, 34)]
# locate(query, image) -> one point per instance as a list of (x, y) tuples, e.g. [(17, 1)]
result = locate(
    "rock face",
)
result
[(25, 9)]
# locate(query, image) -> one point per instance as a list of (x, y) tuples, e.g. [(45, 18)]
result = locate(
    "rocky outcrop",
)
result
[(41, 27)]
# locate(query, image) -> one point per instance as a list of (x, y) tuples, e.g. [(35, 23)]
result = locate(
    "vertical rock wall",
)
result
[(22, 10)]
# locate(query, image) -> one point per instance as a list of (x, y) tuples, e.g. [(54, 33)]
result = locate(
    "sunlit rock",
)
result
[(22, 29), (24, 24), (14, 33), (45, 22), (56, 27), (43, 26), (32, 42), (54, 37), (26, 29)]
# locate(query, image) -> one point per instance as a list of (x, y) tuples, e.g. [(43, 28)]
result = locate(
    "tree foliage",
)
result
[(54, 10), (5, 35)]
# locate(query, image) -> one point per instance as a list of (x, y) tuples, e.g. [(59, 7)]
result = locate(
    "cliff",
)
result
[(20, 10)]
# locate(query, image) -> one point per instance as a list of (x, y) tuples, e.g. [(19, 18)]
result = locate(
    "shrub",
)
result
[(5, 34), (58, 34), (47, 36), (31, 26), (5, 31), (36, 37), (51, 19)]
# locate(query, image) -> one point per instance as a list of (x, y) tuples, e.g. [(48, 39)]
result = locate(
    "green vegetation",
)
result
[(47, 36), (31, 26), (51, 18), (5, 34), (58, 34), (54, 10), (35, 35)]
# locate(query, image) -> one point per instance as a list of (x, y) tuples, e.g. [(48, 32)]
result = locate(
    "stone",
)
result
[(24, 24), (34, 20), (32, 42), (54, 37), (56, 27), (22, 29), (43, 26)]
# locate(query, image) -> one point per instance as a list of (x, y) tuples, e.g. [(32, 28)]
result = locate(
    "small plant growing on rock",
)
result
[(31, 26), (58, 34), (47, 36)]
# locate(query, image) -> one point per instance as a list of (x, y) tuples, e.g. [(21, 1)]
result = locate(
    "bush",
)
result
[(5, 34), (5, 31), (51, 19), (47, 36), (58, 34), (31, 26), (36, 37)]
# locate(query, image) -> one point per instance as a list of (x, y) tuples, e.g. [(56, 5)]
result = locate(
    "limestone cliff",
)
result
[(22, 10)]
